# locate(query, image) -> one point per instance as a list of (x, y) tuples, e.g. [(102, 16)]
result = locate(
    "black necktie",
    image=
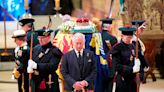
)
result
[(79, 57)]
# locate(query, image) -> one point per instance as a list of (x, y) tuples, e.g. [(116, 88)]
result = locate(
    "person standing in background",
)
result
[(141, 47), (22, 52), (26, 23), (108, 42)]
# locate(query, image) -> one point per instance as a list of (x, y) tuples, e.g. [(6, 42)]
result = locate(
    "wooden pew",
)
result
[(150, 57)]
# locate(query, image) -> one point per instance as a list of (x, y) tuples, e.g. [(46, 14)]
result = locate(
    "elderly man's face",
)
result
[(43, 40), (78, 44)]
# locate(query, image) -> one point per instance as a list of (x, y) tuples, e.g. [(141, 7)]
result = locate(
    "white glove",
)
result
[(137, 62), (32, 64), (29, 70), (136, 67)]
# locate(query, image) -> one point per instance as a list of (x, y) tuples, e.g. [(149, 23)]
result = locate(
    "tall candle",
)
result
[(26, 4), (57, 4)]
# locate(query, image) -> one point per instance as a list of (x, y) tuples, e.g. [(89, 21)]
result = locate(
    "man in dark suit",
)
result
[(78, 66)]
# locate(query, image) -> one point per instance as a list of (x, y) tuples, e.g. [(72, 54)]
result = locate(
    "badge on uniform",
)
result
[(19, 53), (131, 58), (89, 60), (87, 54), (108, 43), (47, 50), (133, 52), (40, 55)]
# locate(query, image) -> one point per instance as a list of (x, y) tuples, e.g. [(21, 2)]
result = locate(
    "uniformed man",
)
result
[(21, 59), (108, 39), (141, 47), (108, 42), (127, 65), (44, 63), (26, 23)]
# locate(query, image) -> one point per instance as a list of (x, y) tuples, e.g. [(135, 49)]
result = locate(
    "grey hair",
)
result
[(78, 35)]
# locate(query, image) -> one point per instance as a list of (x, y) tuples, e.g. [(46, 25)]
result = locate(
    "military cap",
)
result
[(107, 20), (18, 33), (127, 30), (44, 32), (26, 19), (137, 22)]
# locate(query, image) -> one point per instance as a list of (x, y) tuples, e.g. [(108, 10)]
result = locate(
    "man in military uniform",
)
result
[(44, 63), (127, 65), (141, 47), (108, 39), (108, 42), (21, 59), (26, 23)]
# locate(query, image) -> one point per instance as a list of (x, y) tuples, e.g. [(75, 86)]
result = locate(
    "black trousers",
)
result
[(24, 77)]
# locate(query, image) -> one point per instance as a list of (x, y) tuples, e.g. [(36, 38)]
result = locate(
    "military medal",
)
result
[(47, 50), (19, 53), (87, 54), (40, 55), (133, 52), (131, 58)]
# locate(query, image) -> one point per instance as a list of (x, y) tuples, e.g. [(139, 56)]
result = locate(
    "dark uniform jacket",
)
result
[(21, 60), (123, 56), (72, 71), (47, 58), (106, 36)]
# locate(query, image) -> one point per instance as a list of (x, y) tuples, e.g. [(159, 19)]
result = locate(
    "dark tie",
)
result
[(79, 57), (80, 61)]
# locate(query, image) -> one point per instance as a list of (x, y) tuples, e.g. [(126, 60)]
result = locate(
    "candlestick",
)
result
[(26, 4), (57, 4)]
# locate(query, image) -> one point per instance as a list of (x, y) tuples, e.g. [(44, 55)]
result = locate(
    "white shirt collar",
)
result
[(77, 52)]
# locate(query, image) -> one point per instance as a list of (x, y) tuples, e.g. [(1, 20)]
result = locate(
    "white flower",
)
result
[(67, 26)]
